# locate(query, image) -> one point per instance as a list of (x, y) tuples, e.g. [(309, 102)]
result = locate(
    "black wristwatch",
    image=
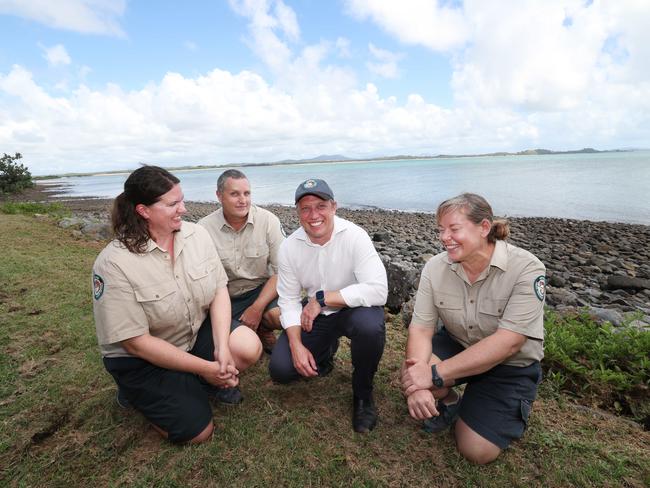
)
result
[(437, 380), (320, 298)]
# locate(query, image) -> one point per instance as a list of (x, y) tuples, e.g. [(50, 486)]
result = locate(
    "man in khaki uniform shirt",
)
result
[(247, 239)]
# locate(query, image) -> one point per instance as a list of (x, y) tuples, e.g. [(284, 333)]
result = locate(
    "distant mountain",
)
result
[(322, 158)]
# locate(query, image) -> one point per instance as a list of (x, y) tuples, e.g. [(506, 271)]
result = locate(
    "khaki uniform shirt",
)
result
[(249, 255), (508, 294), (135, 294)]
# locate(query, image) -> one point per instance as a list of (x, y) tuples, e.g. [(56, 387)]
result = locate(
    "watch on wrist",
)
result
[(320, 298), (437, 380)]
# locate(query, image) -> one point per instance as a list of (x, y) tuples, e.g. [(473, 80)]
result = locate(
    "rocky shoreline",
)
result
[(601, 266)]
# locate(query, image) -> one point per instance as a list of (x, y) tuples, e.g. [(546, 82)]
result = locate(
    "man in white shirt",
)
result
[(334, 263)]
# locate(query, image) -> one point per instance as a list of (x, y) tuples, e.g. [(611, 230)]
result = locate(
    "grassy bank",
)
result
[(60, 425)]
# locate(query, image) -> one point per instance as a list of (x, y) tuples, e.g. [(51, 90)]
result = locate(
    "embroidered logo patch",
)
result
[(98, 286), (309, 184), (540, 287)]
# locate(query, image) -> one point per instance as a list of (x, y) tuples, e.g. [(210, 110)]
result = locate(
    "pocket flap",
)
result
[(256, 251), (154, 292), (493, 306), (202, 270), (448, 302)]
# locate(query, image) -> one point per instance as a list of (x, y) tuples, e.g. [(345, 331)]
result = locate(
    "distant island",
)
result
[(338, 158)]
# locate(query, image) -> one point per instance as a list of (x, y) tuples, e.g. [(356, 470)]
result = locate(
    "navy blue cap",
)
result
[(315, 187)]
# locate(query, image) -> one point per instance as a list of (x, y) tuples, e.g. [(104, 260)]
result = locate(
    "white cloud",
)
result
[(545, 75), (426, 22), (386, 62), (85, 16), (56, 55)]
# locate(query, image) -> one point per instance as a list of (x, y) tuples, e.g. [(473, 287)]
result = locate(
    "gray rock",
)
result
[(627, 283), (407, 312), (68, 222), (380, 237), (557, 296), (607, 315), (402, 281), (556, 280), (97, 230)]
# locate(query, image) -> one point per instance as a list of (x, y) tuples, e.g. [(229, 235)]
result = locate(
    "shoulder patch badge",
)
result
[(540, 287), (98, 286)]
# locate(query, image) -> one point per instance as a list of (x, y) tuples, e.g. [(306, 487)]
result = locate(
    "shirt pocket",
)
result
[(203, 282), (451, 311), (160, 303), (490, 313), (256, 260)]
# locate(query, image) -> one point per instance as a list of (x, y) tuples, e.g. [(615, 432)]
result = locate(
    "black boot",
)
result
[(364, 415)]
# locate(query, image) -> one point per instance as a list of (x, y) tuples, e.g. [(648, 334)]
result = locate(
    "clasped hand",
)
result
[(416, 386), (225, 373)]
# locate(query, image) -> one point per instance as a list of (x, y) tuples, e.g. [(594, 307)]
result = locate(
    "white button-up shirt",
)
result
[(347, 263)]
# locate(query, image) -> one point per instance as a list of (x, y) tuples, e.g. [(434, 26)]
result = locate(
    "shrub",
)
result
[(609, 365), (14, 176)]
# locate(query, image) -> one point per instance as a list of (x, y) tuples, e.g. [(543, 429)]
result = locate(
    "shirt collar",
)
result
[(221, 220), (179, 239), (499, 257)]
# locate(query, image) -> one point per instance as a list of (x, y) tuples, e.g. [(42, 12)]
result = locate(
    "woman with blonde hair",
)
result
[(489, 296)]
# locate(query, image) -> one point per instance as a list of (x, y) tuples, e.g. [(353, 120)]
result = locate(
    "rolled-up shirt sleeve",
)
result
[(425, 313), (275, 238), (289, 290), (371, 288)]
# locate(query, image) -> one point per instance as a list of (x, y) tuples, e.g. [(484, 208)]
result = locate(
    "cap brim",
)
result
[(323, 196)]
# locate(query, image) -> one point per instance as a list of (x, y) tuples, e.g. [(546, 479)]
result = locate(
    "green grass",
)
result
[(60, 426), (31, 208)]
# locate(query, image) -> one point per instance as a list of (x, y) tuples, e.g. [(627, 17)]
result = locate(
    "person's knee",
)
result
[(367, 322), (478, 455), (474, 447), (204, 435), (245, 347), (281, 372)]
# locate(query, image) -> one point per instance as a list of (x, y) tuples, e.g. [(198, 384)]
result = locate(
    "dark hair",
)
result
[(476, 208), (229, 173), (144, 186)]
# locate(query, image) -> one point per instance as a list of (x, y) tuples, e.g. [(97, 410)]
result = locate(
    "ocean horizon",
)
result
[(607, 186)]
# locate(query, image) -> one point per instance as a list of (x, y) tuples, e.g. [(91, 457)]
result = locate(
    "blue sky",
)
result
[(87, 85)]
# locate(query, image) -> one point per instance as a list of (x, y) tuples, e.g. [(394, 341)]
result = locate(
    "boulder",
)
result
[(407, 312), (606, 315), (402, 281), (617, 282)]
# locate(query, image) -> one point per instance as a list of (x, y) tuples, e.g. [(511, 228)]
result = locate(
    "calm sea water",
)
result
[(605, 186)]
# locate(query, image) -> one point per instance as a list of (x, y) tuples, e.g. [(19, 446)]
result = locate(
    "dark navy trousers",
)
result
[(365, 328)]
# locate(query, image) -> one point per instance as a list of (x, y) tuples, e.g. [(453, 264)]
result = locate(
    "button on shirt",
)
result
[(503, 296), (347, 263), (135, 294), (249, 255)]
